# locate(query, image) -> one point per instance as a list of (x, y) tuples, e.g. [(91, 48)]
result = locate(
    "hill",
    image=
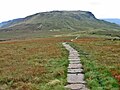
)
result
[(113, 20), (73, 20), (55, 23)]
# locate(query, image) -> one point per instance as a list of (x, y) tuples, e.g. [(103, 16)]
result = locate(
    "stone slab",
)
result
[(73, 50), (74, 66), (74, 71), (74, 61), (75, 78), (71, 59), (75, 86), (73, 56)]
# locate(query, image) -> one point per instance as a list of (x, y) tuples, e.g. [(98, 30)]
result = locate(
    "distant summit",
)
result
[(113, 20), (10, 22)]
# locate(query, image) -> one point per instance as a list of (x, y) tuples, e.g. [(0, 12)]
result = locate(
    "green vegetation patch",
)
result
[(97, 76)]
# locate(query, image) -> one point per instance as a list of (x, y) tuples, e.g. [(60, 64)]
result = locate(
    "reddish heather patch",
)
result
[(87, 40), (106, 52), (118, 78), (116, 75)]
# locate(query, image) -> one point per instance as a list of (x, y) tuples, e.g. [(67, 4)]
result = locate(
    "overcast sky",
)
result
[(11, 9)]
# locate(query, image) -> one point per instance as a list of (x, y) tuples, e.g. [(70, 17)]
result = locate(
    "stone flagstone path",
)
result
[(75, 76)]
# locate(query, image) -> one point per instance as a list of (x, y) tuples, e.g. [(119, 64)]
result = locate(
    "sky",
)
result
[(12, 9)]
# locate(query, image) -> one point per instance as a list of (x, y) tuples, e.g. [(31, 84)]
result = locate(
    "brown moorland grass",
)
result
[(106, 52), (30, 64)]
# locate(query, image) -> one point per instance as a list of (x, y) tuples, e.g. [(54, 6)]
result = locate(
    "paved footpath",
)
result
[(75, 76)]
